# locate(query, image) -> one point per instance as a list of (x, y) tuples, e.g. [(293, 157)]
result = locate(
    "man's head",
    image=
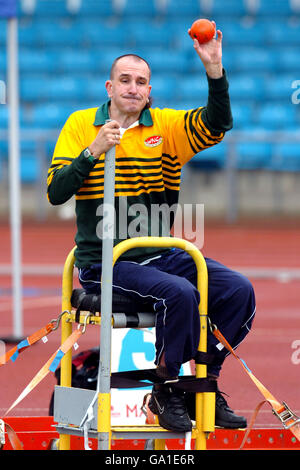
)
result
[(129, 84)]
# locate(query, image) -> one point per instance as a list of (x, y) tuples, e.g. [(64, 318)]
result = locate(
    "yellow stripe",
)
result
[(143, 171), (188, 130), (138, 163), (134, 185), (95, 173), (202, 133), (166, 171), (129, 179), (90, 196), (134, 178), (59, 160), (51, 174), (173, 188), (120, 186), (215, 137), (172, 181), (137, 193)]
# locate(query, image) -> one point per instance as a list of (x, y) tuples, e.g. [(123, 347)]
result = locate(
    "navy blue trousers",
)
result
[(171, 282)]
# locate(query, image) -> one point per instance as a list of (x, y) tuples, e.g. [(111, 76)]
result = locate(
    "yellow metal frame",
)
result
[(205, 402)]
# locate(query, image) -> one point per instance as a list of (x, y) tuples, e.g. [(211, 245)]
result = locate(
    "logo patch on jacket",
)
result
[(153, 141)]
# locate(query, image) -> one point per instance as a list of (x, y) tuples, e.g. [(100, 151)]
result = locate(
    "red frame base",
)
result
[(38, 432)]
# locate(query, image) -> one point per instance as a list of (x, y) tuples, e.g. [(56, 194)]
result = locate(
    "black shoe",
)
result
[(169, 406), (224, 417)]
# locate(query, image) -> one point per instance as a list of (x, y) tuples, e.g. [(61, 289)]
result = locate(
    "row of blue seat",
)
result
[(245, 60), (165, 89), (267, 116), (168, 34), (130, 8), (251, 155), (284, 157)]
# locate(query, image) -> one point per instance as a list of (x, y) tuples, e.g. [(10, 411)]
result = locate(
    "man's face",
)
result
[(129, 87)]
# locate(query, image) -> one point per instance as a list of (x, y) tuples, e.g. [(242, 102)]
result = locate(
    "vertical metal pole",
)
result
[(14, 175), (103, 386)]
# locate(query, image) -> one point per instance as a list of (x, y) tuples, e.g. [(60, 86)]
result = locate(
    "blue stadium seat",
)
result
[(67, 89), (3, 156), (249, 60), (33, 88), (283, 33), (50, 115), (178, 29), (184, 105), (3, 26), (39, 61), (242, 115), (29, 34), (246, 87), (286, 157), (183, 8), (212, 158), (81, 60), (231, 8), (253, 155), (94, 90), (29, 168), (279, 87), (96, 9), (288, 59), (163, 91), (164, 61), (193, 89), (274, 8), (53, 34), (102, 34), (242, 34), (64, 88), (278, 116), (106, 55), (3, 63), (256, 59), (139, 9), (150, 34), (4, 116), (46, 8)]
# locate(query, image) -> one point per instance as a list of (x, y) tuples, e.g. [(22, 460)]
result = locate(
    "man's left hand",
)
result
[(211, 54)]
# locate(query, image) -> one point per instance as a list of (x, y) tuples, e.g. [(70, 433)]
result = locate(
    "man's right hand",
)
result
[(107, 137)]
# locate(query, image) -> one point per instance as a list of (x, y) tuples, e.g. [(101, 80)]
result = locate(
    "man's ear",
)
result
[(108, 86)]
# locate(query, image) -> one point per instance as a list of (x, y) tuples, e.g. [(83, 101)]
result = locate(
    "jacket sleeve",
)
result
[(69, 167), (190, 132), (217, 113)]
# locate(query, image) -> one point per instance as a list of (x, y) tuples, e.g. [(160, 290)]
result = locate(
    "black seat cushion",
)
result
[(120, 303)]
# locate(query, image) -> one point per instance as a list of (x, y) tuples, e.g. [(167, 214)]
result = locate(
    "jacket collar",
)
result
[(102, 115)]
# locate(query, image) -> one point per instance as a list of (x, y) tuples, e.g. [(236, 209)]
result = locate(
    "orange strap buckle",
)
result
[(286, 416)]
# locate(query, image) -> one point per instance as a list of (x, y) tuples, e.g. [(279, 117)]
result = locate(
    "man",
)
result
[(152, 145)]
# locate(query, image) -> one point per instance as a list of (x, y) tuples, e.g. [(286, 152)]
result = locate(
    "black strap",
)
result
[(204, 358), (148, 377)]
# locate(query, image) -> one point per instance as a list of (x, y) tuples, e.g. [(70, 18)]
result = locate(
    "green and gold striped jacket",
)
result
[(148, 167)]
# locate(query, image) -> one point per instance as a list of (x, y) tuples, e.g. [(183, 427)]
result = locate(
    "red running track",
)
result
[(268, 349)]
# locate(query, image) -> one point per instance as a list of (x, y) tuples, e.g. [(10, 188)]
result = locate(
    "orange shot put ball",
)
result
[(203, 30)]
